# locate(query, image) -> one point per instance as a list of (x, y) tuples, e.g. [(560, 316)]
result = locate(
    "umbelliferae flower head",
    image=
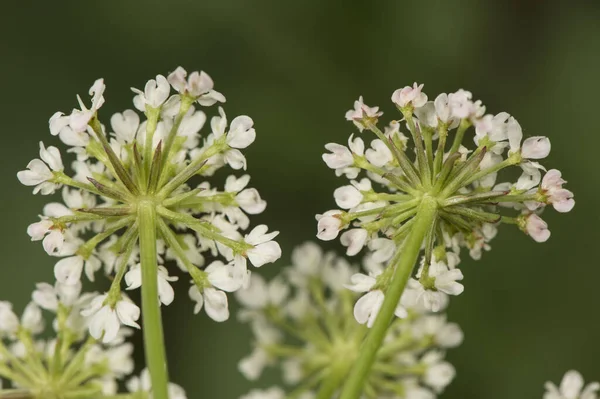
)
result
[(133, 164), (462, 185)]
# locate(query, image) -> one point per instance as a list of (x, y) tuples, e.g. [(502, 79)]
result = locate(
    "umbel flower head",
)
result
[(134, 176), (431, 167), (63, 362), (307, 329)]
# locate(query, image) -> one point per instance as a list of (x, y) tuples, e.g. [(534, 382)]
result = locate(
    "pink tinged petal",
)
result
[(128, 313), (552, 180), (565, 204), (68, 270), (216, 305), (535, 148), (537, 228), (367, 307), (515, 134)]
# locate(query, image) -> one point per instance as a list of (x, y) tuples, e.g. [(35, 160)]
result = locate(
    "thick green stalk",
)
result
[(152, 324), (410, 252)]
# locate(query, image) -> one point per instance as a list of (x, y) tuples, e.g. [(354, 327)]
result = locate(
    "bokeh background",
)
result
[(529, 312)]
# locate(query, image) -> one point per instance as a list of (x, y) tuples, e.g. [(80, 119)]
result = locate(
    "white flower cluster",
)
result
[(572, 387), (461, 183), (137, 163), (306, 328), (66, 362)]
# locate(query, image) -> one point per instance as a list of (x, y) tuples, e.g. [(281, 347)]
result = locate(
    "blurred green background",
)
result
[(529, 312)]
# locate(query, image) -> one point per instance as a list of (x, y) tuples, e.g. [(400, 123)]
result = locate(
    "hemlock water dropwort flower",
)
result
[(61, 361), (572, 387), (462, 186), (133, 164), (302, 321)]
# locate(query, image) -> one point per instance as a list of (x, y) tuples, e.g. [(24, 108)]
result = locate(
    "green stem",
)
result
[(152, 324), (410, 252)]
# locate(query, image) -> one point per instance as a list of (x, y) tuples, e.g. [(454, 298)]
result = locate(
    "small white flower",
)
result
[(446, 280), (133, 279), (340, 156), (560, 198), (154, 95), (53, 238), (265, 249), (329, 225), (461, 105), (79, 119), (198, 85), (410, 95), (536, 228), (249, 200), (354, 239), (241, 134), (362, 111), (535, 148), (379, 155), (367, 307), (347, 197), (214, 302), (40, 171), (125, 125), (105, 320)]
